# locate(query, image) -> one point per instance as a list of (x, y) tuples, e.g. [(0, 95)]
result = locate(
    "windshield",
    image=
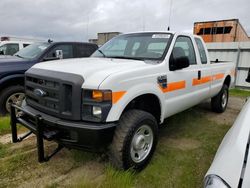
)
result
[(32, 51), (141, 46)]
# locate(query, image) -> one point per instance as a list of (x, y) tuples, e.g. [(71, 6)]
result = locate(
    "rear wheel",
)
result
[(12, 94), (134, 141), (220, 101)]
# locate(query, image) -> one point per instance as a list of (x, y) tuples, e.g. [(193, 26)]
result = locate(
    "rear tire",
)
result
[(134, 140), (220, 101), (11, 94)]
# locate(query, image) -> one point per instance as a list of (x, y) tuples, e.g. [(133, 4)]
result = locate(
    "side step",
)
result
[(36, 129)]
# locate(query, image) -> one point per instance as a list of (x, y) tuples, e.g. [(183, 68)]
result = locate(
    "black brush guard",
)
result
[(35, 128)]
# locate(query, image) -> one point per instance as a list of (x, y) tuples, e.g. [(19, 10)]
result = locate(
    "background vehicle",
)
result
[(119, 96), (231, 167), (12, 68), (11, 47)]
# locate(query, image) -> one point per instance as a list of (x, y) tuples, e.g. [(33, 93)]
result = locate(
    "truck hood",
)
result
[(93, 70), (13, 65), (8, 60), (228, 161)]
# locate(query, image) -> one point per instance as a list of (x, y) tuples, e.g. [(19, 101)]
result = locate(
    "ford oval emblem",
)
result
[(39, 92)]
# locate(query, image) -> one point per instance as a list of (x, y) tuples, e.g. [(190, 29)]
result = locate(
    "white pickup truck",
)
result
[(117, 98)]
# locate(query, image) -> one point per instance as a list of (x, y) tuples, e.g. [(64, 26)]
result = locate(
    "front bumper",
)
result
[(71, 134)]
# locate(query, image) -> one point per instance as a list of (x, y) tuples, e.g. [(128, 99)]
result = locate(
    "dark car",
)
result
[(12, 69)]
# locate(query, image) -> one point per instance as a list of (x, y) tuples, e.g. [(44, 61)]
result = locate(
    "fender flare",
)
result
[(117, 110), (10, 77)]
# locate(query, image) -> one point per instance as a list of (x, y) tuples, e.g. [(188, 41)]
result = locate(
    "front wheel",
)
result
[(12, 94), (134, 141), (219, 102)]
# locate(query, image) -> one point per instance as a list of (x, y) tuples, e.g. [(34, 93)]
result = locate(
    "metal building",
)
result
[(221, 31)]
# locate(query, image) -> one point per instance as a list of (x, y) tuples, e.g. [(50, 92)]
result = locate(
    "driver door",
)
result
[(181, 94)]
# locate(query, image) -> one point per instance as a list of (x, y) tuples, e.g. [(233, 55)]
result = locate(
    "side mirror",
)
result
[(59, 54), (248, 77), (178, 63), (1, 52)]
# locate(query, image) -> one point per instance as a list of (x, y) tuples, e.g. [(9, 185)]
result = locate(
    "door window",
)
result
[(67, 50), (184, 47)]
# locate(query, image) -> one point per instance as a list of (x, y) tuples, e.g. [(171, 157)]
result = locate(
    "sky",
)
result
[(79, 20)]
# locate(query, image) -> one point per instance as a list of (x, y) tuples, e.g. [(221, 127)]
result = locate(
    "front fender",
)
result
[(10, 77), (136, 91)]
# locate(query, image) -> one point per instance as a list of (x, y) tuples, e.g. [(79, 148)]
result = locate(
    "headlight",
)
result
[(96, 104), (213, 181), (97, 111)]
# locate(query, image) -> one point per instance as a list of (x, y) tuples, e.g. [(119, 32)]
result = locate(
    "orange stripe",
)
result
[(203, 80), (116, 96), (174, 86), (218, 76), (206, 79)]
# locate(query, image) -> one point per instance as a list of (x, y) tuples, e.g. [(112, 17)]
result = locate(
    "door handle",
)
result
[(199, 75)]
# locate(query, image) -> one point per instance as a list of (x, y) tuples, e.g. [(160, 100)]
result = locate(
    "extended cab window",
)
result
[(184, 47), (202, 51), (67, 50)]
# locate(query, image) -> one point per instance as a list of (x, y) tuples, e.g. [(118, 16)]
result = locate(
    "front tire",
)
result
[(134, 141), (220, 101), (11, 94)]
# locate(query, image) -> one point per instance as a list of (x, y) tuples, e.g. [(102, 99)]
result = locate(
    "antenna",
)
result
[(169, 18), (87, 32), (143, 17)]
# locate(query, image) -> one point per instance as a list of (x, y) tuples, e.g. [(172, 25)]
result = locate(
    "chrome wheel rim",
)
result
[(224, 99), (141, 144), (15, 98)]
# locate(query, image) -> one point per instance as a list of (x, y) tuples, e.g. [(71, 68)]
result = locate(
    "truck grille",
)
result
[(51, 99), (53, 96)]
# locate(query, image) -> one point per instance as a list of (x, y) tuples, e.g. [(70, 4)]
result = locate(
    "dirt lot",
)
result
[(187, 144)]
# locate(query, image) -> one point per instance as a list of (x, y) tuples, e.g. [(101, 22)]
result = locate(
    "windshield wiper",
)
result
[(126, 57), (101, 52), (18, 56)]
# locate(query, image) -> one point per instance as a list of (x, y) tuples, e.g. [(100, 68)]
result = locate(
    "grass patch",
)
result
[(115, 178), (239, 93), (4, 125), (3, 150), (187, 144)]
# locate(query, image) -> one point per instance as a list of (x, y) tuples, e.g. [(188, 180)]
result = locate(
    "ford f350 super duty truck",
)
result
[(117, 98)]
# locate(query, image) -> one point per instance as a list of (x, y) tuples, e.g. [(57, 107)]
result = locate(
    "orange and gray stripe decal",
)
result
[(174, 86), (218, 76), (116, 96), (203, 80), (207, 79)]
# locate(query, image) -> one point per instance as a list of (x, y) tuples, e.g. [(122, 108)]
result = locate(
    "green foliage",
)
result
[(239, 93)]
